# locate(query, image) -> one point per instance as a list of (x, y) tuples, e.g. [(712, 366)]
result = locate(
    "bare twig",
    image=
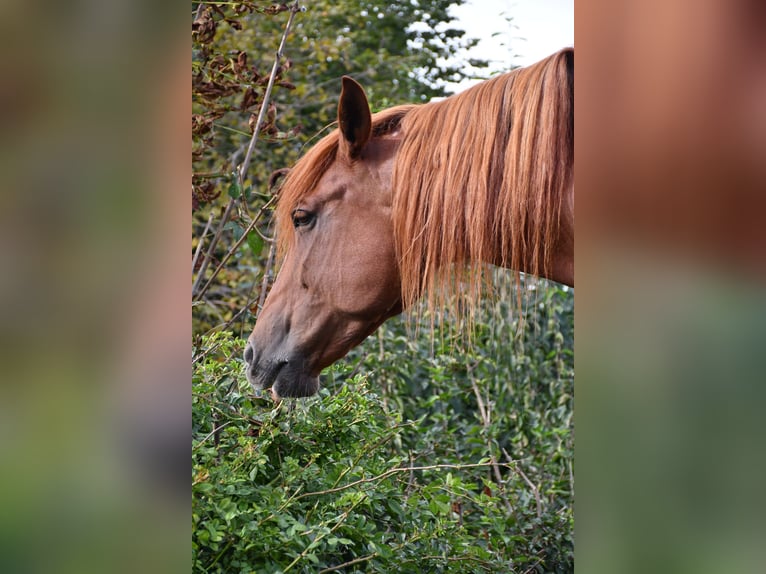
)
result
[(196, 295), (201, 241), (411, 479), (267, 274), (484, 411), (214, 309), (517, 467), (479, 401), (211, 247), (461, 558), (349, 563), (233, 249), (225, 326), (358, 365), (264, 105), (533, 568)]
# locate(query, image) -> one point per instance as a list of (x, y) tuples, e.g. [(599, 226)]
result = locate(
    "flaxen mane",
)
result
[(479, 177)]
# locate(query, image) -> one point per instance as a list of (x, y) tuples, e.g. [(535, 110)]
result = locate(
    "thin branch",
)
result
[(214, 308), (201, 241), (410, 480), (266, 238), (196, 295), (267, 274), (517, 467), (349, 563), (479, 401), (358, 365), (211, 248), (533, 568), (461, 558), (209, 174), (249, 301), (210, 434), (233, 248), (264, 105), (314, 543), (368, 448), (486, 421), (225, 326), (392, 471)]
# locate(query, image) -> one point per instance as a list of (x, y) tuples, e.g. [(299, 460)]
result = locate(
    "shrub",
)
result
[(411, 459)]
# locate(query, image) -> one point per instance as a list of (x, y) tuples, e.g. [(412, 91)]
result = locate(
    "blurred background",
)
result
[(671, 127), (94, 321)]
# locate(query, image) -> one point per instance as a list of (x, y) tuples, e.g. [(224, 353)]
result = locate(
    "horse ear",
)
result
[(354, 118)]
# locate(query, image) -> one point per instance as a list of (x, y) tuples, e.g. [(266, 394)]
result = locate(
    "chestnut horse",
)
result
[(390, 207)]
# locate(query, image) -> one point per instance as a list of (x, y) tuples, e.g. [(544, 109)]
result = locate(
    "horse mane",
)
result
[(480, 177)]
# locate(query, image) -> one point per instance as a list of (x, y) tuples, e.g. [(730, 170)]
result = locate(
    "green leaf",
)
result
[(255, 241), (234, 190)]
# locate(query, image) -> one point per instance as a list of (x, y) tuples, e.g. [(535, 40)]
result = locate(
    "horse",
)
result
[(391, 207)]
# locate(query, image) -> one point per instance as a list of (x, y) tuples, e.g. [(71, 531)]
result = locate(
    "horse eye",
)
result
[(302, 218)]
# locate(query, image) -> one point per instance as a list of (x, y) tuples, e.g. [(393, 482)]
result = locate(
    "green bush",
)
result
[(414, 457)]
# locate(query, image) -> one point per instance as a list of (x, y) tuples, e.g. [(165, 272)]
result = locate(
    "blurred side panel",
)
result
[(94, 322), (671, 262)]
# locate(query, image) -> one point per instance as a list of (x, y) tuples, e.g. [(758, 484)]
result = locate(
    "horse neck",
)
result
[(468, 189)]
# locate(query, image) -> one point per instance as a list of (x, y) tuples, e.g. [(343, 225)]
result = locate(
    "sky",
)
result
[(536, 30)]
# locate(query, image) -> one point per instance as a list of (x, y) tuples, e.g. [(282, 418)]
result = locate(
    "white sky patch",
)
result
[(514, 32)]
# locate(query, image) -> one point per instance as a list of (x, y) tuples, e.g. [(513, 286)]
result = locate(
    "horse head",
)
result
[(386, 208), (339, 279)]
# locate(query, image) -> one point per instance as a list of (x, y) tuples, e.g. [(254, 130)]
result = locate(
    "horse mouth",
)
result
[(284, 380), (295, 387)]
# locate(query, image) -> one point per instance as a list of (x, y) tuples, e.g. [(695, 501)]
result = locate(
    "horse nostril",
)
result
[(249, 354)]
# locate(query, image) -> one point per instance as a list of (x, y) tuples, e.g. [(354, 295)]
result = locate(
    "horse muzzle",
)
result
[(286, 376)]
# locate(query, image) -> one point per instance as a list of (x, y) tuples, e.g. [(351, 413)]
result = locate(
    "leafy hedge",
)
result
[(413, 457)]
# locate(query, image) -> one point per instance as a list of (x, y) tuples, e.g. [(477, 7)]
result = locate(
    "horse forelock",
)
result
[(483, 171)]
